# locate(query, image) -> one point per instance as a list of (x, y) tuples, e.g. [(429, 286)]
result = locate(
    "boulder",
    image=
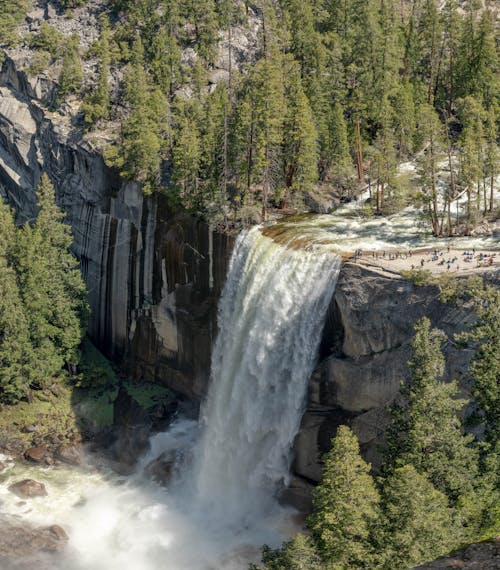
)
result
[(23, 546), (71, 454), (28, 488), (133, 427), (36, 454)]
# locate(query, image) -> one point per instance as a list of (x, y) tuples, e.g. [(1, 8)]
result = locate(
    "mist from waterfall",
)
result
[(221, 504)]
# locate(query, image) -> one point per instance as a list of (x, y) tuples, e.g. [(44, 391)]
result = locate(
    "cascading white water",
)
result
[(220, 507), (271, 316)]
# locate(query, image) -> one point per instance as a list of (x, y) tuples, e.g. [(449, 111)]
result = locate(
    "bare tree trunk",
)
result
[(359, 152), (492, 191)]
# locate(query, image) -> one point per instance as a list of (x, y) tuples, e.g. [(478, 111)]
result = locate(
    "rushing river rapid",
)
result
[(221, 503)]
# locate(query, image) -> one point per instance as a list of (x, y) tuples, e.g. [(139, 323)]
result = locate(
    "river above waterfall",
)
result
[(227, 471), (349, 229)]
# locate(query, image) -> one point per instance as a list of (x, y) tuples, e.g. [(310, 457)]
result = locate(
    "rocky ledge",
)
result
[(365, 349), (483, 556)]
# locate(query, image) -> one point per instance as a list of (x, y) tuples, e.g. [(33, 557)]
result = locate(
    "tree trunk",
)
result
[(359, 152)]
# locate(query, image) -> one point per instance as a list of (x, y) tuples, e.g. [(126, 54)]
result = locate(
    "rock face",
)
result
[(365, 350), (483, 556), (153, 276)]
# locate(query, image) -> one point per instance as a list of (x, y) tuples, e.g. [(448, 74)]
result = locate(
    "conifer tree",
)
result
[(296, 554), (426, 431), (300, 151), (52, 289), (345, 506), (71, 76), (96, 105), (341, 160), (431, 130), (16, 356), (416, 523)]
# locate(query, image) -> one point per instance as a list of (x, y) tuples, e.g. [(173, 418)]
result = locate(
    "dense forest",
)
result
[(333, 95)]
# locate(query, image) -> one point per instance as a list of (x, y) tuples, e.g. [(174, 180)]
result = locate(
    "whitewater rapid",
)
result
[(221, 505)]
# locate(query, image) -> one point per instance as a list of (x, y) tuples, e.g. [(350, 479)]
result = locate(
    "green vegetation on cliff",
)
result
[(43, 305), (232, 107), (439, 488)]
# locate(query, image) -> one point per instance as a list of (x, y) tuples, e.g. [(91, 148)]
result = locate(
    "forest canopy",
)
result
[(232, 107)]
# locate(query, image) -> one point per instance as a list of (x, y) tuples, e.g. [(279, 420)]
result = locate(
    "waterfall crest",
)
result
[(271, 317)]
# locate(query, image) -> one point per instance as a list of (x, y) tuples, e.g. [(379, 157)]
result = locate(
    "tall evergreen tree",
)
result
[(345, 506), (300, 149), (16, 355), (96, 105), (416, 522), (53, 291), (426, 431), (71, 76)]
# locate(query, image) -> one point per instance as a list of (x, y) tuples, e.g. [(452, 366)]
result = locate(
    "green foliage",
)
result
[(333, 85), (95, 371), (345, 506), (48, 39), (43, 308), (485, 369), (426, 431), (11, 15), (417, 521), (71, 76), (40, 61), (16, 353), (96, 105), (297, 554)]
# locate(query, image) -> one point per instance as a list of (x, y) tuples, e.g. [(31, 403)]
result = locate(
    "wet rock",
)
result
[(161, 469), (133, 428), (36, 454), (71, 454), (298, 495), (28, 488), (58, 532), (23, 546)]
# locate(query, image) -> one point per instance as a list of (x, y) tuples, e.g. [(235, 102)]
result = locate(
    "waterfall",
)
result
[(220, 505), (271, 317)]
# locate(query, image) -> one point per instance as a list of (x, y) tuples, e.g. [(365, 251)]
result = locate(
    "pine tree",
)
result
[(186, 158), (96, 105), (426, 431), (16, 356), (472, 156), (300, 150), (345, 506), (431, 130), (296, 554), (71, 76), (485, 367), (139, 153), (416, 523), (52, 289), (341, 160)]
